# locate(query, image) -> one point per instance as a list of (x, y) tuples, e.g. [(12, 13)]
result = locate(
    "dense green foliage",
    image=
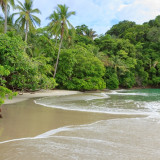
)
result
[(3, 90), (79, 69), (137, 50), (25, 73), (126, 56)]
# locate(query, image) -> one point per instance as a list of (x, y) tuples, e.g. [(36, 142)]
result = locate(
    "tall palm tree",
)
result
[(26, 19), (61, 24), (54, 26), (5, 7)]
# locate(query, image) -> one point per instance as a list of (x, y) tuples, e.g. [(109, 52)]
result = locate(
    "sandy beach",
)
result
[(30, 119), (30, 131), (42, 93)]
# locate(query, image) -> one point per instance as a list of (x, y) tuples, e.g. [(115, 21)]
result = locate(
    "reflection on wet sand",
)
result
[(116, 139), (29, 131), (27, 119)]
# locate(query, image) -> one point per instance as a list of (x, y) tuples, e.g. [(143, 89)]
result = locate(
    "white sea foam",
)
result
[(20, 139), (86, 103), (129, 101), (51, 132), (54, 131), (98, 110), (126, 94), (151, 106), (41, 136), (94, 96), (91, 106), (102, 96), (153, 109)]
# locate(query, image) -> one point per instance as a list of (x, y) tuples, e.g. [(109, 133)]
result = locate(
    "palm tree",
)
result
[(5, 7), (61, 24), (117, 63), (54, 26), (26, 19), (91, 34)]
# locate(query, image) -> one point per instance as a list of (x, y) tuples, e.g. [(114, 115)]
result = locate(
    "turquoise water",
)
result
[(140, 101)]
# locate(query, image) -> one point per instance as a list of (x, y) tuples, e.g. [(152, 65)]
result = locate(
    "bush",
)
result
[(24, 73), (127, 80), (3, 90), (78, 69), (89, 83), (112, 82)]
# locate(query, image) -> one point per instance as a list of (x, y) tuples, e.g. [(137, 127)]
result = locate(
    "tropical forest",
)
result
[(69, 57)]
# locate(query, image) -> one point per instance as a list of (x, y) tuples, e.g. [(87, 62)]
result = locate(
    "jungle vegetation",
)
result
[(76, 58)]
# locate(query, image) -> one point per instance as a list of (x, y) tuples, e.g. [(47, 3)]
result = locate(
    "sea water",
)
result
[(112, 139), (144, 101)]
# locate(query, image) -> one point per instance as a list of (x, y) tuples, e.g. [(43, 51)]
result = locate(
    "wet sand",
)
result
[(27, 119), (28, 132)]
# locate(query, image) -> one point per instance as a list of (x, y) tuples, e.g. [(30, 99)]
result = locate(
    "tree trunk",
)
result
[(5, 13), (26, 34), (60, 45)]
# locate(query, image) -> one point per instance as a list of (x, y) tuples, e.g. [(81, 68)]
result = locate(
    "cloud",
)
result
[(94, 13), (102, 14), (140, 11)]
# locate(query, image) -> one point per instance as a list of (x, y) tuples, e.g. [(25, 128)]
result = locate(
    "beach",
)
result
[(23, 118), (30, 131), (42, 93)]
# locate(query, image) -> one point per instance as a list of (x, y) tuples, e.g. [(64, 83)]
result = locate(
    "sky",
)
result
[(101, 15)]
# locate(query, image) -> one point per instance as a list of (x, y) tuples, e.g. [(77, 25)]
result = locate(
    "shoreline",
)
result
[(28, 119), (39, 119), (49, 93), (31, 129), (38, 94)]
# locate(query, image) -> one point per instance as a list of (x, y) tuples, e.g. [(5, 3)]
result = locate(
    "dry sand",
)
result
[(41, 93)]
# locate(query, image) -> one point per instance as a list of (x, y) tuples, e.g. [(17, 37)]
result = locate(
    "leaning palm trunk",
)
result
[(5, 23), (60, 24), (60, 45), (26, 34)]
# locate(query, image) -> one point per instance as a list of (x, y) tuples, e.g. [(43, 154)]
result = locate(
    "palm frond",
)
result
[(35, 20), (26, 14), (59, 20), (69, 24), (35, 11), (11, 2), (19, 8), (70, 14), (20, 3)]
